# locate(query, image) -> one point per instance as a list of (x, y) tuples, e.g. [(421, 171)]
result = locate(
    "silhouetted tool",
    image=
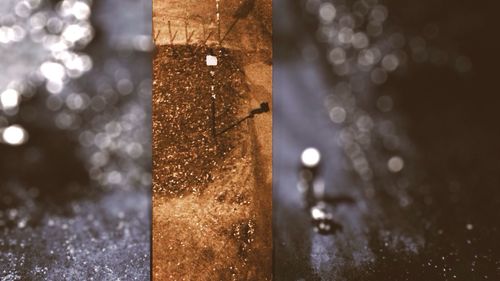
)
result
[(244, 9), (242, 12), (264, 107)]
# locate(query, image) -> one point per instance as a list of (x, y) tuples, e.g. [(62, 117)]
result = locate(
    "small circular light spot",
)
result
[(9, 99), (390, 62), (327, 12), (385, 103), (337, 114), (14, 135), (310, 157), (337, 56), (345, 35), (360, 40), (395, 164), (53, 71)]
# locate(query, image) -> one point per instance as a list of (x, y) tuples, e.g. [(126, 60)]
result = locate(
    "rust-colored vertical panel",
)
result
[(212, 140)]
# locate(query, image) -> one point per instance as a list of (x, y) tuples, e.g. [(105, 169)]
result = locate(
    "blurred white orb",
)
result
[(14, 135), (395, 164), (310, 157)]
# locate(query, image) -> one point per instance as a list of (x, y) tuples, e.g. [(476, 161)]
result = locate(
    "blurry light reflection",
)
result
[(37, 38), (14, 135), (82, 146)]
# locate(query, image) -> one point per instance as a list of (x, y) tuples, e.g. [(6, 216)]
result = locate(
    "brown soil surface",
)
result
[(185, 151), (212, 198)]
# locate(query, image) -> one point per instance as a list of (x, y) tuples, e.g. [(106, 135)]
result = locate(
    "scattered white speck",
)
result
[(338, 114)]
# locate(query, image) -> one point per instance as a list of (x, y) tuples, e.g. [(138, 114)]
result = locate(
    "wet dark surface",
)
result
[(434, 218), (75, 197)]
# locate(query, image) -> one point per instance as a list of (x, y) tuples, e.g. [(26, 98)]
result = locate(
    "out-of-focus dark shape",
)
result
[(264, 107), (244, 9), (312, 187)]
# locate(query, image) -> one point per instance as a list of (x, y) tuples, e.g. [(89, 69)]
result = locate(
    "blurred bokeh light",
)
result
[(75, 171)]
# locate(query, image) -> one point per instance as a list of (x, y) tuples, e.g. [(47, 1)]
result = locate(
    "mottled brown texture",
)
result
[(211, 202), (185, 152), (265, 14)]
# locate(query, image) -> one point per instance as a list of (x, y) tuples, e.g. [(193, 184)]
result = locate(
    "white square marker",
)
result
[(211, 60)]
